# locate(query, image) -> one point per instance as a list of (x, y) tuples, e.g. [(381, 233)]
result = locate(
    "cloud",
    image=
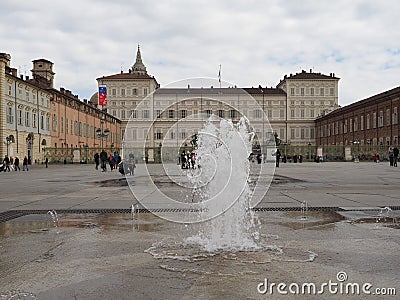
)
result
[(257, 42)]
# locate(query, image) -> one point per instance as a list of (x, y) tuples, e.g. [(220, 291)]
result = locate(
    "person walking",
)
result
[(103, 159), (395, 156), (46, 162), (25, 164), (390, 154), (97, 160), (278, 157), (6, 163), (16, 164)]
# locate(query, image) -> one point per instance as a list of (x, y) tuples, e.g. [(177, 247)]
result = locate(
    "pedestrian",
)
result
[(16, 164), (11, 163), (395, 156), (6, 163), (25, 164), (278, 157), (391, 156), (97, 160), (46, 162), (132, 167), (103, 159)]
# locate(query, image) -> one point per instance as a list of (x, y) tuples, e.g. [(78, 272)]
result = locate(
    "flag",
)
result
[(102, 95), (219, 75)]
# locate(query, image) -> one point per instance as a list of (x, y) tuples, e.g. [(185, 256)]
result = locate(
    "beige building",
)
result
[(171, 116), (24, 115)]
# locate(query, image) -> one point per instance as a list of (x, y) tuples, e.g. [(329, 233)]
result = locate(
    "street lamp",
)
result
[(9, 140), (309, 151), (102, 133), (87, 150), (356, 157)]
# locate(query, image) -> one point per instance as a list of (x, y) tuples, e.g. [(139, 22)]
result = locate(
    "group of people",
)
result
[(393, 154), (12, 164), (188, 160), (115, 161)]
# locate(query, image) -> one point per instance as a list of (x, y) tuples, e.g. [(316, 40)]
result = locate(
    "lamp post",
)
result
[(87, 150), (356, 157), (102, 133), (9, 140), (309, 151)]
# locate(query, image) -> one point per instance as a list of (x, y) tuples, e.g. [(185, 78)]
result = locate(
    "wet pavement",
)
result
[(320, 220)]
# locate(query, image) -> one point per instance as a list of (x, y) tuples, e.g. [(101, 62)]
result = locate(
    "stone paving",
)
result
[(140, 256)]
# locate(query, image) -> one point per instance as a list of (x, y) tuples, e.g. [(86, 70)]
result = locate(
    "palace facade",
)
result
[(290, 108)]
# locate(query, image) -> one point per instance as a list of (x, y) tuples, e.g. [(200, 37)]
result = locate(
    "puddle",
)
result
[(41, 223)]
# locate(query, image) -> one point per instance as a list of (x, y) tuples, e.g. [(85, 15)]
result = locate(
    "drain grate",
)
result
[(13, 214)]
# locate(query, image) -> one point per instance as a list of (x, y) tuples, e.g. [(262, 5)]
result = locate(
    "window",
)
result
[(331, 91), (257, 113), (221, 113), (395, 116), (172, 135), (292, 133), (302, 133), (48, 123), (54, 122), (312, 102), (158, 135), (312, 133), (351, 125), (62, 124), (183, 113), (380, 120), (292, 91), (123, 93), (281, 114), (158, 113), (183, 135), (302, 91), (114, 112), (292, 113), (134, 114), (34, 120), (322, 91), (145, 91), (41, 122), (361, 122), (312, 92), (374, 120), (114, 92), (368, 121), (345, 126), (123, 114), (355, 124), (302, 113), (170, 113), (10, 117), (145, 114), (19, 117), (388, 117), (232, 113), (282, 133), (134, 92), (311, 113), (208, 113), (80, 129)]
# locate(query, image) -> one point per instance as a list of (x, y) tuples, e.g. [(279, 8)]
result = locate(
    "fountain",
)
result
[(54, 217), (223, 179)]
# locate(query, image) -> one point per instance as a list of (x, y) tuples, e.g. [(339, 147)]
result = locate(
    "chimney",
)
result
[(62, 90), (14, 72), (26, 77), (310, 70)]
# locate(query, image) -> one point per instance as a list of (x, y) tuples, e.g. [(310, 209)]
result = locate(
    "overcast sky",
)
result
[(256, 42)]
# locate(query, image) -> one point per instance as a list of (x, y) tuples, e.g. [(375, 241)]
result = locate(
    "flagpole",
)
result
[(219, 76)]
